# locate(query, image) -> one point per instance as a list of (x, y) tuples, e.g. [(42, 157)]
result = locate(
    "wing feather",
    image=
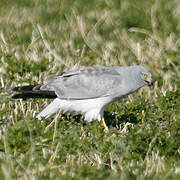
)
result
[(91, 82)]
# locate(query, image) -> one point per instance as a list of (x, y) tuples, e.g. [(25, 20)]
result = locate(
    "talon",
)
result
[(105, 126)]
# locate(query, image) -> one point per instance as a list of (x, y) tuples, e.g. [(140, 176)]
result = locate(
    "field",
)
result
[(43, 37)]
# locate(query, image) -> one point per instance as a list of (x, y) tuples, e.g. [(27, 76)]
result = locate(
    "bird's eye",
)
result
[(144, 76)]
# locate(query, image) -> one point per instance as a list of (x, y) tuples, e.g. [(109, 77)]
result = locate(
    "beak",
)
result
[(149, 82)]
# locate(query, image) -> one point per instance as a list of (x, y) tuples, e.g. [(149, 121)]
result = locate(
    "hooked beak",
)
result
[(149, 82)]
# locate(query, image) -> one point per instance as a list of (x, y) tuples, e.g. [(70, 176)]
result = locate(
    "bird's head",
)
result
[(144, 76)]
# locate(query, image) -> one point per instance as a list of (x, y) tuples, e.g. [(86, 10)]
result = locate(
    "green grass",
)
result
[(40, 38)]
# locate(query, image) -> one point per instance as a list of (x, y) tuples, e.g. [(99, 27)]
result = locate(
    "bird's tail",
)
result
[(52, 108), (32, 91)]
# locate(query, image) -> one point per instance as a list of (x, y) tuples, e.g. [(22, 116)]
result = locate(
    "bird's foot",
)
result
[(105, 126)]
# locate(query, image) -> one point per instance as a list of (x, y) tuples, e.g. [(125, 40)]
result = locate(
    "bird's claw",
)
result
[(105, 126)]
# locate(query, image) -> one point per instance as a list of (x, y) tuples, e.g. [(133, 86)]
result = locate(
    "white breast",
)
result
[(91, 109)]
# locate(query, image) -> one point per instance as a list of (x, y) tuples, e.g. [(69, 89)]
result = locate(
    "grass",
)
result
[(40, 38)]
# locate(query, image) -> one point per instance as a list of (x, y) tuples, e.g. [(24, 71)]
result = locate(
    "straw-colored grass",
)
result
[(39, 38)]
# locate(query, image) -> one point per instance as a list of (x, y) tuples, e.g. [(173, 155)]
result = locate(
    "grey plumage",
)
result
[(89, 90)]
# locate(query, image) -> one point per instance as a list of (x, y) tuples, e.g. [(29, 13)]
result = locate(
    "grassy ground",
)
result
[(43, 37)]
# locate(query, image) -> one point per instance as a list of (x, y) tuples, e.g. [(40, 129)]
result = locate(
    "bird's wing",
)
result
[(91, 82)]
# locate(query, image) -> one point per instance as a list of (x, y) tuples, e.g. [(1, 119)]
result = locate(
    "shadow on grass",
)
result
[(114, 120)]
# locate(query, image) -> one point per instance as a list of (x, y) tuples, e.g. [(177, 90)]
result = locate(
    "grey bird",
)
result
[(87, 91)]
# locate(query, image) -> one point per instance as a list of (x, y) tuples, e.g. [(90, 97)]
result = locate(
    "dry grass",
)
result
[(37, 40)]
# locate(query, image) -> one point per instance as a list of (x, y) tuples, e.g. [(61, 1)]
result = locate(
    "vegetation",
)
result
[(43, 37)]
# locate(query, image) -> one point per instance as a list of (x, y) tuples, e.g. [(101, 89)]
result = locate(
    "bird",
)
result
[(86, 91)]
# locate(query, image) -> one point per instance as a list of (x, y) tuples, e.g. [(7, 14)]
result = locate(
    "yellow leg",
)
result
[(105, 126), (143, 116)]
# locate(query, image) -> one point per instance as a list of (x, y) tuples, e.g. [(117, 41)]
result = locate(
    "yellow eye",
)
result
[(144, 76)]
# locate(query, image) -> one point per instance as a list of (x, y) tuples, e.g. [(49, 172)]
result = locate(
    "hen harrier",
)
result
[(87, 91)]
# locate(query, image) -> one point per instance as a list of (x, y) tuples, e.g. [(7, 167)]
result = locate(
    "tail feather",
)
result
[(32, 91), (52, 108)]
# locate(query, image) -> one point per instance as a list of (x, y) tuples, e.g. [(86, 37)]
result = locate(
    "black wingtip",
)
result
[(28, 88), (25, 96), (32, 91)]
